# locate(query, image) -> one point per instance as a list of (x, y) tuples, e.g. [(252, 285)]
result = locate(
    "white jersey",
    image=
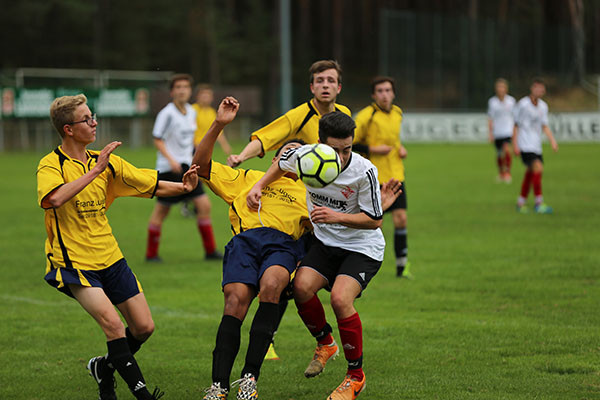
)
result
[(355, 190), (530, 119), (501, 114), (177, 131)]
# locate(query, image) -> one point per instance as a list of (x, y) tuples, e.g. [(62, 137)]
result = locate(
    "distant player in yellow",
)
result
[(301, 122), (378, 135), (260, 257), (205, 115), (75, 187)]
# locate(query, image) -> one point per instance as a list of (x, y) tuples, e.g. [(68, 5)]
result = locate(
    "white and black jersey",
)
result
[(530, 119), (177, 131), (355, 190), (501, 114)]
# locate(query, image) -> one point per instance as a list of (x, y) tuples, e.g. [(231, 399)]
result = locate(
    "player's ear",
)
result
[(67, 130)]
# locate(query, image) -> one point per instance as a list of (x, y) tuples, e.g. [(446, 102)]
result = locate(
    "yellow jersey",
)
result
[(376, 127), (283, 202), (79, 235), (204, 119), (301, 122)]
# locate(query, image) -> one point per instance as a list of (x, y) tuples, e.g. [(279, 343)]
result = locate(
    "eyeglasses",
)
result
[(90, 121)]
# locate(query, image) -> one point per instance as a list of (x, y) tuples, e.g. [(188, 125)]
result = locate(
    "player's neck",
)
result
[(74, 150), (324, 108), (180, 106), (501, 97), (534, 100), (384, 109)]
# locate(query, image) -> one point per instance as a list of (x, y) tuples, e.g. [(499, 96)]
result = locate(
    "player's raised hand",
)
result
[(104, 156), (227, 110), (253, 197), (390, 192), (190, 179), (234, 160)]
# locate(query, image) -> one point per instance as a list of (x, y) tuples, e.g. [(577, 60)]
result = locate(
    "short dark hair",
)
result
[(381, 79), (299, 141), (538, 80), (336, 125), (180, 77), (324, 65)]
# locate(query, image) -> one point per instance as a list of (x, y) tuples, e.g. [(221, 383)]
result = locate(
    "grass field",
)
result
[(504, 306)]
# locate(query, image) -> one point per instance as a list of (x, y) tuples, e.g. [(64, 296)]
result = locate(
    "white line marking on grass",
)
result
[(156, 310)]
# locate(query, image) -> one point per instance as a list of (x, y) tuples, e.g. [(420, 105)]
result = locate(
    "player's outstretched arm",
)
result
[(325, 215), (225, 114), (67, 191), (254, 195), (187, 184), (252, 149)]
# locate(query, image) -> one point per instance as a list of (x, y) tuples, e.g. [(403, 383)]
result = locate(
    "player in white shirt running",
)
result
[(173, 136), (531, 119), (346, 253), (500, 123)]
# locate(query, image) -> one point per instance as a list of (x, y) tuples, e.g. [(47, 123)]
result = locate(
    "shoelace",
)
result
[(215, 389), (246, 384)]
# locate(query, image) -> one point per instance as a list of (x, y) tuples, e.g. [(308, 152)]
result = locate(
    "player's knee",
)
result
[(302, 291), (340, 302), (144, 331), (112, 326)]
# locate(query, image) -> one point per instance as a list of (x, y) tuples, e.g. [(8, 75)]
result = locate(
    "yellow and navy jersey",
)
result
[(301, 122), (375, 126), (79, 235), (283, 202), (204, 119)]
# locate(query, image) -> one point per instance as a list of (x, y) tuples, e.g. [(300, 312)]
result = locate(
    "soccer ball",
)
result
[(318, 165)]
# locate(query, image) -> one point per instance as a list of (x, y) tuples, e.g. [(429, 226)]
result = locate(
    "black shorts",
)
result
[(400, 202), (175, 177), (500, 142), (529, 158), (330, 262)]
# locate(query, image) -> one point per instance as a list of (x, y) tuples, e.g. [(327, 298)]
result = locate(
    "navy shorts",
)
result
[(330, 262), (400, 202), (500, 142), (174, 177), (118, 281), (529, 158), (250, 253)]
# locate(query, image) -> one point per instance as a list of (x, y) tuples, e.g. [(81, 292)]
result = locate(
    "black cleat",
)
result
[(104, 378), (154, 260), (215, 255)]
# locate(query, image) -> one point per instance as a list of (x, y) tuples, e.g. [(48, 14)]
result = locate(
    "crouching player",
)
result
[(75, 187), (260, 257), (347, 253)]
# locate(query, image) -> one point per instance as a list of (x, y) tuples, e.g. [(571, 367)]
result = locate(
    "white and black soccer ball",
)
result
[(318, 165)]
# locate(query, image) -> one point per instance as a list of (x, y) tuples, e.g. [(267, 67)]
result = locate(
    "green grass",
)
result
[(503, 305)]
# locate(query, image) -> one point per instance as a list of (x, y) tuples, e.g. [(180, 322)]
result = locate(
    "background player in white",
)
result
[(531, 119), (346, 253), (173, 135), (500, 124)]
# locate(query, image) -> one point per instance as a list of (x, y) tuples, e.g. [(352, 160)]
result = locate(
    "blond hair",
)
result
[(62, 111)]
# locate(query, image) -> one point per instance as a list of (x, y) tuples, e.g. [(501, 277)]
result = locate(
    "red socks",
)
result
[(526, 183), (507, 161), (313, 316), (208, 237), (537, 183), (153, 241), (351, 336)]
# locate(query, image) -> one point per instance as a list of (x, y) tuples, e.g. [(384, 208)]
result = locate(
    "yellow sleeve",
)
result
[(131, 181), (49, 178), (227, 183), (362, 124), (276, 132)]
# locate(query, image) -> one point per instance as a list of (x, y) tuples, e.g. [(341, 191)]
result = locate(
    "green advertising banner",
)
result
[(35, 103)]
